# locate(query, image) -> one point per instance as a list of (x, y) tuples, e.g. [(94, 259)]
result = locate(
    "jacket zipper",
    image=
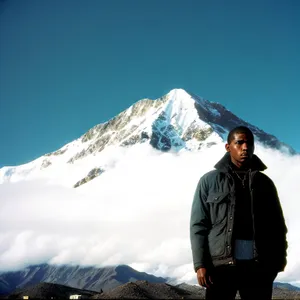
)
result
[(231, 215)]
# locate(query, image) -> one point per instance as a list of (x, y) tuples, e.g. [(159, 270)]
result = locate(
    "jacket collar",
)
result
[(224, 163)]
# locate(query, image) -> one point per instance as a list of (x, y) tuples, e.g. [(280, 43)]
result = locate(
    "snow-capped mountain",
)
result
[(178, 121)]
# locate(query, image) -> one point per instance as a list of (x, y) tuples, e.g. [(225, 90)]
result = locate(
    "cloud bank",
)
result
[(136, 213)]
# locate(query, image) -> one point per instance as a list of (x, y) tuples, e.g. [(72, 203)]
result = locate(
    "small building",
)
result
[(75, 296)]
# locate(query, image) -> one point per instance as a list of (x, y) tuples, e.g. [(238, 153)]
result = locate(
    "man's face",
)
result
[(241, 149)]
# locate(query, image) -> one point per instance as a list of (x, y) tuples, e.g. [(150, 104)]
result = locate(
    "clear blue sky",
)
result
[(67, 65)]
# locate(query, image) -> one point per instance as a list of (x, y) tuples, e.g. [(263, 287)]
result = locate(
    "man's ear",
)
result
[(227, 147)]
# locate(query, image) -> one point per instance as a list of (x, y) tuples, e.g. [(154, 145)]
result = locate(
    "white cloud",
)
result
[(135, 213)]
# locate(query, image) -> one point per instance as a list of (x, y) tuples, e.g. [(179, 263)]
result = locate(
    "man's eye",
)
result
[(241, 142)]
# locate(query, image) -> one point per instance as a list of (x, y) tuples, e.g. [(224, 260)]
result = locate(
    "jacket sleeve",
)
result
[(271, 229), (280, 229), (200, 226)]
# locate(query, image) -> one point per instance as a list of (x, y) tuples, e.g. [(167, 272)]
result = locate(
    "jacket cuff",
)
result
[(198, 267)]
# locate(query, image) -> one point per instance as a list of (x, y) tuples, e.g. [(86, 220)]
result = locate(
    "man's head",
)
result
[(240, 145)]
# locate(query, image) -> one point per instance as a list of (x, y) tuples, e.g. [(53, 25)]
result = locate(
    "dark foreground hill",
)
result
[(49, 291), (147, 290), (133, 290)]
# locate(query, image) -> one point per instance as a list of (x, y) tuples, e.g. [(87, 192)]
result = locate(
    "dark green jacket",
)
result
[(212, 218)]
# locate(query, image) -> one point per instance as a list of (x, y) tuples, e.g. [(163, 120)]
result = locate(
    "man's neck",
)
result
[(243, 167)]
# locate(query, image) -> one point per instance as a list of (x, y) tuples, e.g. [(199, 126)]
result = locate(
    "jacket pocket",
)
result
[(217, 240), (218, 207)]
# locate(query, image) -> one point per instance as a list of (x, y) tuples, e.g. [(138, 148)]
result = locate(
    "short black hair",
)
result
[(239, 129)]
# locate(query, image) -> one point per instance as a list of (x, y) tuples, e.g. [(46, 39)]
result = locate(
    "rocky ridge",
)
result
[(87, 278)]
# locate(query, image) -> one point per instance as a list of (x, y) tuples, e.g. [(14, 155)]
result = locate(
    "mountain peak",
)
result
[(176, 121), (178, 92), (183, 95)]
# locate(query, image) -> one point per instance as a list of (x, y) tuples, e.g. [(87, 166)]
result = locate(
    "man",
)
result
[(237, 228)]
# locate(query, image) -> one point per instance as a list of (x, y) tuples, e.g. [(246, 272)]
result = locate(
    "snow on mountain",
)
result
[(178, 121)]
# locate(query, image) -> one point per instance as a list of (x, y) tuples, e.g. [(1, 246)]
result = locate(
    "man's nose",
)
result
[(245, 146)]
